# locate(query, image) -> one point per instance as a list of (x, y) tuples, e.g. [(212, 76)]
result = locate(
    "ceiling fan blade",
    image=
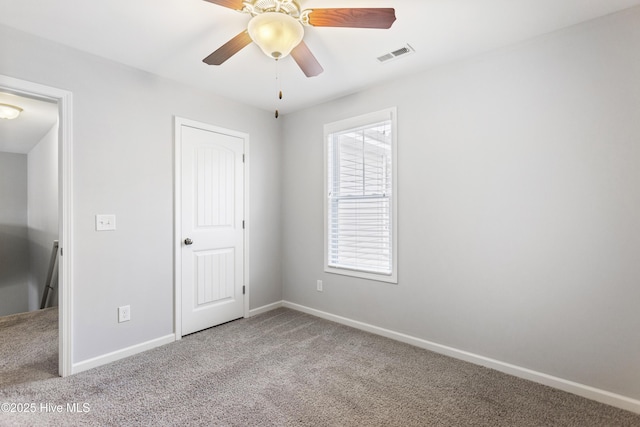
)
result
[(228, 49), (306, 61), (231, 4), (353, 17)]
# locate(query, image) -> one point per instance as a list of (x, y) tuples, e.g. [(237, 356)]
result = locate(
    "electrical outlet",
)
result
[(124, 313), (319, 285)]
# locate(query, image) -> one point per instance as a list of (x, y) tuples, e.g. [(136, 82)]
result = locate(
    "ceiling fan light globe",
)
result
[(276, 33), (9, 112)]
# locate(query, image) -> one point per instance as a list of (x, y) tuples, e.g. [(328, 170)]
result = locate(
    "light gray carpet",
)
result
[(285, 368), (29, 346)]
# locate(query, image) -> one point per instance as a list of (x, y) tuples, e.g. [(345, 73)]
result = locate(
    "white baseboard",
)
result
[(586, 391), (265, 308), (121, 354), (139, 348)]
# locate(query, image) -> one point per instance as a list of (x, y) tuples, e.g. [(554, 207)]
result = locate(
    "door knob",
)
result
[(188, 241)]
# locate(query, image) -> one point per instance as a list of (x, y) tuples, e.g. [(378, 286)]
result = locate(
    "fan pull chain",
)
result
[(278, 85)]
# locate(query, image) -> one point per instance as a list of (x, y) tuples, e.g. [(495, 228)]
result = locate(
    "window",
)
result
[(360, 197)]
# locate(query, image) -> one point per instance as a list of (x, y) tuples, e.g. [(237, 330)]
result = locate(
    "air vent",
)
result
[(386, 57), (395, 54)]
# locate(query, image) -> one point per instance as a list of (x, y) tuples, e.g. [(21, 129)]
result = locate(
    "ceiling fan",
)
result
[(277, 26)]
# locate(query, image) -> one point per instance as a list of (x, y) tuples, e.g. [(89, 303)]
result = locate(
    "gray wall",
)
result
[(43, 213), (519, 202), (123, 165), (14, 250)]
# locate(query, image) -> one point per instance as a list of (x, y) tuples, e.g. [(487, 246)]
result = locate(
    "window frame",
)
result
[(352, 123)]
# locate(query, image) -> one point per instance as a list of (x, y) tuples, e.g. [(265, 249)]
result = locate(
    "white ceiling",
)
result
[(21, 134), (171, 37)]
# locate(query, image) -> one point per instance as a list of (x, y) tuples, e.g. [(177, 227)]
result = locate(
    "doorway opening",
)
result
[(29, 196), (51, 178)]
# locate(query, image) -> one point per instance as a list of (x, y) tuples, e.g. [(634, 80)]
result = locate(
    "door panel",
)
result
[(214, 174), (212, 264), (214, 276)]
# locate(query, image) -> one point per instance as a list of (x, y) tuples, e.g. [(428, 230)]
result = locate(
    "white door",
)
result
[(212, 241)]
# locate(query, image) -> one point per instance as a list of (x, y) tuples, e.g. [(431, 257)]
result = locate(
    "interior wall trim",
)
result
[(265, 308), (599, 395), (64, 98), (122, 353)]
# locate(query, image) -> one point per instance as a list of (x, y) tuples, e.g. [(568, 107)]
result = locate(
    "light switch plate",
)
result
[(105, 222)]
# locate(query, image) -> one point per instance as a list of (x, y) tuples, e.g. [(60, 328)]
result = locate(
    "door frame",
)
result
[(177, 214), (64, 99)]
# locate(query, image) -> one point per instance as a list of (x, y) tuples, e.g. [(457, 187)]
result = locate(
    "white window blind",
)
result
[(360, 208)]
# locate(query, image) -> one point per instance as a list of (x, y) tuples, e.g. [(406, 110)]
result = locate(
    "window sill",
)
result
[(388, 278)]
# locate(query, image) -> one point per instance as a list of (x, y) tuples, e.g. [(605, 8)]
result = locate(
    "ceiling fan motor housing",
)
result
[(288, 7)]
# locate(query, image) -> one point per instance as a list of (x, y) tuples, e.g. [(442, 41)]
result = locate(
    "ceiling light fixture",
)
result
[(9, 111), (276, 33)]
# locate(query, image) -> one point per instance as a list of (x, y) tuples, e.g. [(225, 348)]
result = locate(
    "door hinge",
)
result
[(243, 289), (243, 224), (243, 158)]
